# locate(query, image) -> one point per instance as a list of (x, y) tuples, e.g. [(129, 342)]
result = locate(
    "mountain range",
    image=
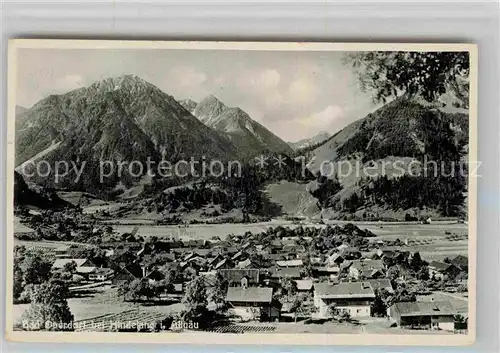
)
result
[(115, 119), (126, 118), (395, 139), (317, 139)]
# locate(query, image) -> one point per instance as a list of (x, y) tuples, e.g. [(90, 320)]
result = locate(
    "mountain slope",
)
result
[(311, 141), (250, 137), (25, 196), (115, 119), (188, 104), (372, 159)]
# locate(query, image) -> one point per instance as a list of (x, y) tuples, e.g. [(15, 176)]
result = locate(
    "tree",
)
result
[(77, 278), (137, 289), (298, 306), (379, 305), (166, 285), (123, 289), (332, 310), (345, 315), (189, 273), (35, 269), (423, 273), (428, 74), (70, 267), (195, 300), (218, 292), (17, 287), (416, 262), (289, 285), (49, 307), (393, 273)]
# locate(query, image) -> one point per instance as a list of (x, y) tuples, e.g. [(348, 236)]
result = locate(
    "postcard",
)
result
[(241, 192)]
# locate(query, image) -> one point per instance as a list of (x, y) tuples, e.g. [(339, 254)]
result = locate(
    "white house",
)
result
[(354, 298)]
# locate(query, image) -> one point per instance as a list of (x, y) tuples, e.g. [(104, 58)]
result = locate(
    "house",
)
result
[(253, 303), (294, 248), (354, 298), (366, 269), (304, 285), (432, 315), (240, 255), (101, 274), (223, 264), (443, 270), (154, 275), (122, 257), (62, 251), (241, 277), (350, 253), (85, 271), (331, 271), (381, 283), (290, 263), (127, 274), (334, 259), (462, 262), (394, 253), (215, 260), (60, 263), (286, 272), (275, 257), (246, 264)]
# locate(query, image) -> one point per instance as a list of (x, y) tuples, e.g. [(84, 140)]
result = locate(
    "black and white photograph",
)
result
[(183, 191)]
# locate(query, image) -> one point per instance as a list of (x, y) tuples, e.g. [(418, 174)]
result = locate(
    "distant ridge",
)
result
[(250, 137), (311, 141)]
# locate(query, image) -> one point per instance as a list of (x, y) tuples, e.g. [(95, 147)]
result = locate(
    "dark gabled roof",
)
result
[(350, 249), (286, 272), (433, 308), (221, 263), (235, 275), (344, 290), (155, 274), (363, 265), (214, 260), (238, 254), (438, 265), (262, 295), (381, 283), (203, 252), (369, 273), (134, 269), (460, 260)]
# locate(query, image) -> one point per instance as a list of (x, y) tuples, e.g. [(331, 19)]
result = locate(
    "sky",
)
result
[(294, 94)]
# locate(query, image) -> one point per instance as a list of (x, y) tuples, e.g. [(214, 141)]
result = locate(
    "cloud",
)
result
[(68, 83), (186, 76), (302, 91), (323, 119), (258, 81)]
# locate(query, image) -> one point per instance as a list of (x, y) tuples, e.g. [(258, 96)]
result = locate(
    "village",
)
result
[(300, 276)]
